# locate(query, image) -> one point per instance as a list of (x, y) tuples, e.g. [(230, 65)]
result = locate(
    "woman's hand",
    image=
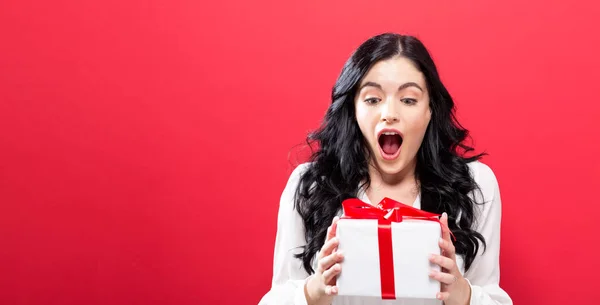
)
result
[(320, 288), (455, 288)]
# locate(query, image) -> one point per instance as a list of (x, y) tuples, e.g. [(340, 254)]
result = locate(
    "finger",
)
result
[(332, 272), (331, 290), (329, 235), (447, 248), (334, 223), (329, 246), (326, 262), (442, 261), (444, 296), (445, 228), (332, 228), (443, 277)]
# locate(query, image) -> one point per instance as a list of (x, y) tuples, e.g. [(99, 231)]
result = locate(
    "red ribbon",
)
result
[(386, 212)]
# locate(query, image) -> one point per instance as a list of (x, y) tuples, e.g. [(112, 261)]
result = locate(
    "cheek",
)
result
[(418, 126), (364, 118)]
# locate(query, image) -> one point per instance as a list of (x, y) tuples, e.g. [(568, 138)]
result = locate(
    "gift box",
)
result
[(386, 250)]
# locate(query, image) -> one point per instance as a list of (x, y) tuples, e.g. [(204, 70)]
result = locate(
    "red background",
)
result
[(144, 144)]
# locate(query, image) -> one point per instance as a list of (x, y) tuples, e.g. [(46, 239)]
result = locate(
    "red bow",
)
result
[(388, 209), (386, 212)]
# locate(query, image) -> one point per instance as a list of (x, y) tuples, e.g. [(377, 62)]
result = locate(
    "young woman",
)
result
[(390, 132)]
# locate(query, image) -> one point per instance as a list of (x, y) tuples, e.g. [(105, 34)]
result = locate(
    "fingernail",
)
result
[(340, 254), (432, 256), (439, 296), (334, 289), (441, 241), (337, 267)]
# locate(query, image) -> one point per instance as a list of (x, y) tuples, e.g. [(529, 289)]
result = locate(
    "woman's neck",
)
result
[(402, 186)]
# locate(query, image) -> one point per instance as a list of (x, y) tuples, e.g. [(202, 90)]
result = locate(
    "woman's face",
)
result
[(392, 111)]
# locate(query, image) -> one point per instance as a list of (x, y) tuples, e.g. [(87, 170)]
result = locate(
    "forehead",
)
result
[(394, 72)]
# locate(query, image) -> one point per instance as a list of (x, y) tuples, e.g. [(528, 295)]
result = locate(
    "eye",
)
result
[(372, 101), (409, 101)]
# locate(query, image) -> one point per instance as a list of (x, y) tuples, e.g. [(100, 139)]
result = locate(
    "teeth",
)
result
[(390, 133)]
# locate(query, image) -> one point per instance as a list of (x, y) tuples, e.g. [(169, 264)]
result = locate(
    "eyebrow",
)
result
[(402, 87)]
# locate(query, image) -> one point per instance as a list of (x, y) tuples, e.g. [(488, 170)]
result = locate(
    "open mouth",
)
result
[(389, 144)]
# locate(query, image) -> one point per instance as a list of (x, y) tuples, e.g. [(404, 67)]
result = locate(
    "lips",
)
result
[(390, 141)]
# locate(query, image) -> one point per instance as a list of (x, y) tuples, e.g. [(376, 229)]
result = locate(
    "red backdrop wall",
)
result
[(144, 144)]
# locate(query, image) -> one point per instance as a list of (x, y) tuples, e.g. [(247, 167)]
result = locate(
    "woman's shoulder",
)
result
[(293, 181), (483, 175), (297, 172), (488, 194)]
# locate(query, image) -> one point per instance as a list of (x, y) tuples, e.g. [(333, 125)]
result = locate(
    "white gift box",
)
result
[(413, 241)]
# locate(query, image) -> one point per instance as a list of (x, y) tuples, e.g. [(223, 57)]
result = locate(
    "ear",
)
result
[(429, 114), (429, 107)]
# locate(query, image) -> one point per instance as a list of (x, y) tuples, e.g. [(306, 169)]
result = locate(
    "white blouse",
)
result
[(289, 276)]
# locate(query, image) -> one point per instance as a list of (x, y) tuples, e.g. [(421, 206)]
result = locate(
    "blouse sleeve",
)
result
[(484, 273), (287, 286)]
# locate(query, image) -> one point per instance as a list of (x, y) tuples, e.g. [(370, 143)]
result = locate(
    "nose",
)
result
[(388, 113)]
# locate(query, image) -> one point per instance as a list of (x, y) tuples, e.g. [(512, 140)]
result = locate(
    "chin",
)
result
[(391, 167)]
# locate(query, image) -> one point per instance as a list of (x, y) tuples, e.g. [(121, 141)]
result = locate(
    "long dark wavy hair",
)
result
[(340, 164)]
